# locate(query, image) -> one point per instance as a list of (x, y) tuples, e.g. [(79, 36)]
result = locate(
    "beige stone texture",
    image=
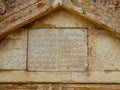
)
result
[(13, 50), (42, 54), (88, 87), (57, 50), (104, 51), (72, 50), (60, 18), (60, 77), (39, 8), (2, 7), (61, 47), (25, 87), (96, 77), (59, 87), (34, 77), (95, 14), (24, 15)]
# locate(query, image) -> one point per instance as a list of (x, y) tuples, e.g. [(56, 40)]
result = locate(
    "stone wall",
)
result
[(60, 48)]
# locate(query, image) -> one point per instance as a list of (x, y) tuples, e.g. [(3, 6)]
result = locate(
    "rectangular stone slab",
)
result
[(72, 50), (60, 77), (104, 50), (57, 50), (13, 50), (42, 53), (25, 87), (60, 87)]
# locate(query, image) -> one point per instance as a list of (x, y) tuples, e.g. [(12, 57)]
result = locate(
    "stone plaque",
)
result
[(43, 50), (57, 50), (72, 49)]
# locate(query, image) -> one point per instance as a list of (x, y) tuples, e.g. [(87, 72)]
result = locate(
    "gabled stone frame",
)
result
[(36, 9), (54, 77)]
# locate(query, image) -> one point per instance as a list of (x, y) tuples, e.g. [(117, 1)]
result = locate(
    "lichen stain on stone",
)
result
[(94, 0), (11, 4)]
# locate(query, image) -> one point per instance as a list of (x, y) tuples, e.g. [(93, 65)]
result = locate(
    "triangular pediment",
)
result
[(58, 42), (28, 14), (60, 18)]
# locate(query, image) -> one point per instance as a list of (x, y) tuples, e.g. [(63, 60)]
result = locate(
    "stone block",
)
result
[(60, 77), (13, 50), (104, 51), (96, 77), (89, 87), (34, 77), (72, 46), (24, 87)]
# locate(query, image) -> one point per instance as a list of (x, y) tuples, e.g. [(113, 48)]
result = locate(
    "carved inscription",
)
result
[(43, 50), (57, 50), (72, 50)]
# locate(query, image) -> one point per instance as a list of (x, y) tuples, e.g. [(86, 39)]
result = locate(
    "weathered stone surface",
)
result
[(57, 50), (25, 87), (88, 87), (64, 51), (12, 4), (24, 15), (59, 87), (60, 77), (94, 13), (96, 77), (34, 77), (72, 47), (2, 7), (38, 8), (104, 51), (43, 54), (13, 51), (111, 6), (60, 18)]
